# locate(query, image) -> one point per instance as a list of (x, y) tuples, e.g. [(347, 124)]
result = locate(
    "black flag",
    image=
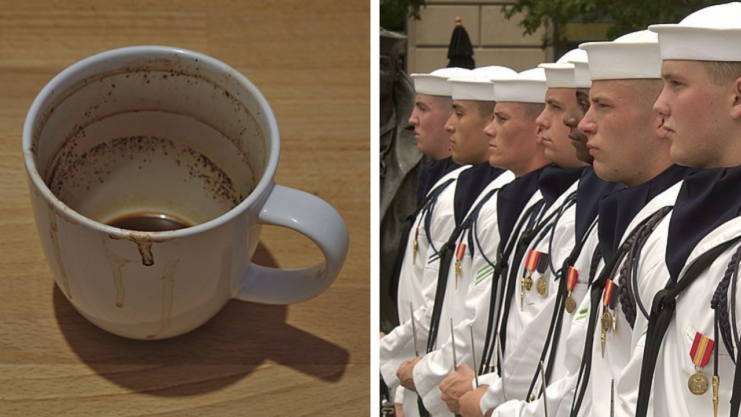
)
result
[(460, 50)]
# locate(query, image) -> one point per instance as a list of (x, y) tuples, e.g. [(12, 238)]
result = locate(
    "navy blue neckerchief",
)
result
[(618, 209), (431, 173), (590, 191), (555, 180), (512, 200), (707, 199), (471, 183)]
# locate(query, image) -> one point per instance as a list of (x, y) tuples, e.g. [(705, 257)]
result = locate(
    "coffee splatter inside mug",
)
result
[(156, 141)]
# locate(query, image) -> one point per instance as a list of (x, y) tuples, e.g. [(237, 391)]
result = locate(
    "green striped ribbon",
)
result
[(483, 273)]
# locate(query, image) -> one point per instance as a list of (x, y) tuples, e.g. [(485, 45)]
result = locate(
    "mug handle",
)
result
[(317, 220)]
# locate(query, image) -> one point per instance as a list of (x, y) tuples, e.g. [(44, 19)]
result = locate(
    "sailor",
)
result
[(626, 82), (686, 360), (435, 222), (566, 101), (467, 278), (432, 109), (625, 139), (528, 321), (493, 219)]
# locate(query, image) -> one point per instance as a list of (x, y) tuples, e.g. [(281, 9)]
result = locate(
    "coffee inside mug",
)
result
[(159, 143)]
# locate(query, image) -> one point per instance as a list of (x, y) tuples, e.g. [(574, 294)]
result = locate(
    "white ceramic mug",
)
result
[(161, 130)]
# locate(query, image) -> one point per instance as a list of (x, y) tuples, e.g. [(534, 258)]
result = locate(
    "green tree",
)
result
[(624, 16), (394, 13)]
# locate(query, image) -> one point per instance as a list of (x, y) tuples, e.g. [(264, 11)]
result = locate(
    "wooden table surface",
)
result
[(311, 60)]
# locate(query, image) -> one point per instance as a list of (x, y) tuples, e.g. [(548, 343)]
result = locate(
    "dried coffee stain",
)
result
[(53, 231), (144, 242), (168, 287), (117, 263), (145, 250)]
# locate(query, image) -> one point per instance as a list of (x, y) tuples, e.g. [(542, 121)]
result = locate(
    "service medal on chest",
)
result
[(527, 283), (571, 279), (606, 321), (702, 348), (698, 383), (570, 304), (542, 287)]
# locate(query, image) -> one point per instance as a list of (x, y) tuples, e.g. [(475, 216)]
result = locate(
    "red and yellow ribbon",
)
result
[(702, 348), (571, 279)]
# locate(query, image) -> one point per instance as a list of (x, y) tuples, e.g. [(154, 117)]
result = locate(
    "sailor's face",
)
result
[(466, 125), (512, 137), (553, 133), (572, 118), (697, 116), (617, 126), (428, 119)]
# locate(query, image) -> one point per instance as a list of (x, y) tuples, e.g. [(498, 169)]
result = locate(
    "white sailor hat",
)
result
[(632, 56), (709, 34), (436, 83), (561, 73), (581, 71), (528, 86), (477, 85), (581, 75)]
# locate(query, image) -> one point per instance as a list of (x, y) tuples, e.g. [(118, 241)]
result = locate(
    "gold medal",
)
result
[(459, 253), (571, 278), (531, 264), (570, 304), (606, 326), (542, 287), (458, 272), (527, 282), (702, 348), (698, 383), (606, 321)]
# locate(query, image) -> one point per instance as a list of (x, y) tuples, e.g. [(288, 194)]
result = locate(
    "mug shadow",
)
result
[(229, 347)]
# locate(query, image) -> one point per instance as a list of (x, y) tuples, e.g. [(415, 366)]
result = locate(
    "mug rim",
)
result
[(262, 187)]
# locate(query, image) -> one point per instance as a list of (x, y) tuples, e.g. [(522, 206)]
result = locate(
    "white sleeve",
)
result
[(488, 379), (399, 395), (438, 364), (398, 346), (558, 398)]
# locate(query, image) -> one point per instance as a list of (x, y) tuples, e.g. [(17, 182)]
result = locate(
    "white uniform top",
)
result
[(528, 324), (463, 302), (417, 282), (670, 395), (618, 348), (560, 393)]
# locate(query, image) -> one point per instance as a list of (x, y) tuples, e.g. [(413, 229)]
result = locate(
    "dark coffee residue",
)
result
[(71, 170)]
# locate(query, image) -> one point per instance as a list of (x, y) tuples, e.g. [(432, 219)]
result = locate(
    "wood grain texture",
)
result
[(311, 60)]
